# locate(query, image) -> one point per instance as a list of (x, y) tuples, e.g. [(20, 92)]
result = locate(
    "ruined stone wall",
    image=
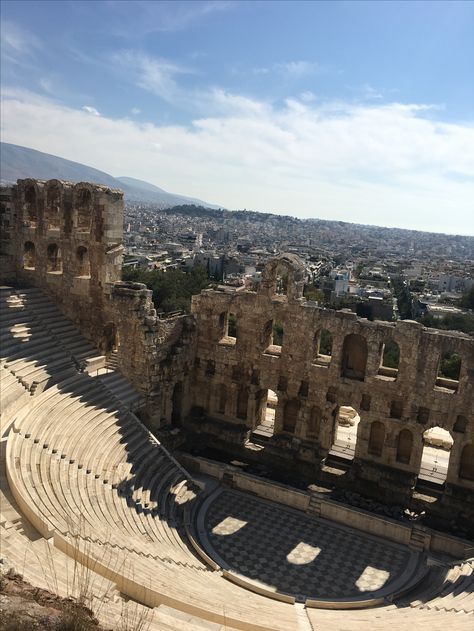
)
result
[(312, 387), (67, 240), (155, 353)]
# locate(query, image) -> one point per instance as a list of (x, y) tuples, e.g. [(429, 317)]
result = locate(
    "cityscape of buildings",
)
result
[(359, 267)]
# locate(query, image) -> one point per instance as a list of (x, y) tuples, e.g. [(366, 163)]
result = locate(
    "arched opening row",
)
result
[(52, 210), (437, 442), (54, 261), (354, 352)]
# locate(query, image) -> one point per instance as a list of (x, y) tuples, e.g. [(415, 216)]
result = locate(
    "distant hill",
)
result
[(21, 162)]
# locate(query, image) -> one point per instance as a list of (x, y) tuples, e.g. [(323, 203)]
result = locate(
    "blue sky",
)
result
[(357, 111)]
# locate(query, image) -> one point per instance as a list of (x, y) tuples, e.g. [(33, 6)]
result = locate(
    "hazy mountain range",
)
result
[(21, 162)]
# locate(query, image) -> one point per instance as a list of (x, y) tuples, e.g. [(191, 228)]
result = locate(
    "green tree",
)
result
[(311, 293), (172, 289), (450, 366), (467, 299)]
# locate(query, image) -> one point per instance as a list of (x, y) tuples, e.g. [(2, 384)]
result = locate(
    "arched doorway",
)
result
[(267, 403), (345, 432), (437, 444)]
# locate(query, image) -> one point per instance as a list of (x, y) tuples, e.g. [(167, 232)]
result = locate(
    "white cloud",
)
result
[(90, 110), (370, 92), (382, 164), (298, 69), (16, 40), (135, 111), (152, 74)]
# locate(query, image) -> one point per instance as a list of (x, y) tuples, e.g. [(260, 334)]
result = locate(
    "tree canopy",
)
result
[(172, 289)]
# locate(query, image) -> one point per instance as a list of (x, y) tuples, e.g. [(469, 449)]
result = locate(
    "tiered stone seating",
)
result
[(86, 475)]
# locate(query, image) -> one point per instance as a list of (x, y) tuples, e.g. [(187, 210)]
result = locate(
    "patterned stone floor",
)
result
[(297, 554)]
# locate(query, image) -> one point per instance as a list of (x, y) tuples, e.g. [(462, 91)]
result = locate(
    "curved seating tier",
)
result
[(83, 473), (87, 473)]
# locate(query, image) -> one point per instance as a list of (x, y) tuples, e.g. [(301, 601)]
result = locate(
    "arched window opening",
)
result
[(274, 335), (29, 255), (322, 348), (221, 398), (376, 438), (176, 404), (345, 432), (228, 327), (290, 415), (53, 207), (84, 210), (277, 334), (404, 446), (267, 334), (466, 464), (314, 422), (54, 262), (242, 402), (83, 263), (30, 215), (281, 288), (389, 360), (449, 369), (437, 444), (460, 425), (267, 403), (354, 357), (232, 326)]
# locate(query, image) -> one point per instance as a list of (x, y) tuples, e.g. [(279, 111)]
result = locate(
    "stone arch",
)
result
[(266, 407), (290, 415), (404, 446), (54, 193), (436, 454), (82, 261), (344, 431), (53, 258), (376, 438), (322, 351), (83, 207), (29, 255), (354, 356), (449, 370), (30, 204), (389, 359), (289, 265), (466, 463)]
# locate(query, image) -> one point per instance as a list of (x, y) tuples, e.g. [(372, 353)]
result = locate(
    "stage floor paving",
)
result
[(295, 553)]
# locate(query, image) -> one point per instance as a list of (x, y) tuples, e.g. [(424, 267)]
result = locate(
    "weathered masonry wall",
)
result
[(233, 374), (66, 239), (156, 354)]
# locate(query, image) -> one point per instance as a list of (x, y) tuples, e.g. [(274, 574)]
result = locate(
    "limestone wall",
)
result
[(67, 239), (311, 387)]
